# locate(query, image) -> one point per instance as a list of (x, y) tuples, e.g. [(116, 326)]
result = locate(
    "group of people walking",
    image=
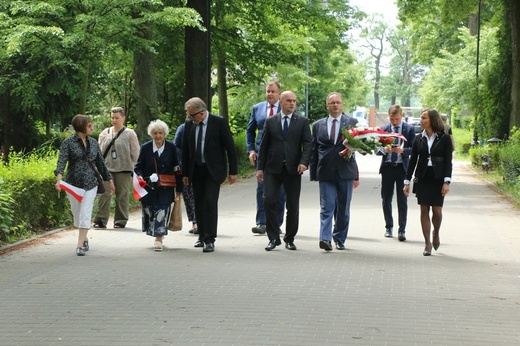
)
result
[(282, 147)]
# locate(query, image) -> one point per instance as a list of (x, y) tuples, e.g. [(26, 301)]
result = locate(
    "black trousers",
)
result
[(393, 175), (206, 192), (292, 184)]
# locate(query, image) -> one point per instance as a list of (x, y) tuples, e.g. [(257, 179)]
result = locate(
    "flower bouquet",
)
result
[(367, 141)]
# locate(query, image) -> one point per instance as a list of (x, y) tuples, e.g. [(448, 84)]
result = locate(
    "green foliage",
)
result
[(29, 182), (509, 167), (463, 139), (244, 166)]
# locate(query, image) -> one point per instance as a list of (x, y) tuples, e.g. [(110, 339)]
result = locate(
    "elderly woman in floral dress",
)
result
[(157, 156)]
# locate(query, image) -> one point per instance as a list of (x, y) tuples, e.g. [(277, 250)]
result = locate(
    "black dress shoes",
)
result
[(272, 244), (259, 229), (340, 246), (290, 245), (401, 236), (325, 245), (209, 247), (388, 233), (199, 243)]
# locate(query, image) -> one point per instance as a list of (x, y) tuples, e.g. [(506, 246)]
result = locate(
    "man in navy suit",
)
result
[(207, 148), (284, 155), (337, 176), (393, 168), (260, 112)]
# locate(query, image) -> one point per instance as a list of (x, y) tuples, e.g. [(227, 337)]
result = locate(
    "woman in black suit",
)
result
[(431, 160), (157, 156)]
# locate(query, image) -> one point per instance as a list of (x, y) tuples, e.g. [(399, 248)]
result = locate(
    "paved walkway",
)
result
[(377, 292)]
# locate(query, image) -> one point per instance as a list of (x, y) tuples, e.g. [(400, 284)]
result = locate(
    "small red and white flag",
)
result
[(74, 191), (139, 190)]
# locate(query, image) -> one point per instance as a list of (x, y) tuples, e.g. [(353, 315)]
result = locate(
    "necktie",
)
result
[(271, 111), (198, 151), (394, 155), (333, 131), (285, 125)]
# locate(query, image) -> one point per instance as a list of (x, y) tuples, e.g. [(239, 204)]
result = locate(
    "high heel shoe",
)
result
[(427, 252), (436, 245)]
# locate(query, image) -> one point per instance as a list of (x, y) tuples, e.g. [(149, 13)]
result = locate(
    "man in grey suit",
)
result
[(207, 148), (393, 168), (337, 176), (259, 113), (284, 155)]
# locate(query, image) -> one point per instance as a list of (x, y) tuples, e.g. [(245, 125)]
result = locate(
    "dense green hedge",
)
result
[(29, 203)]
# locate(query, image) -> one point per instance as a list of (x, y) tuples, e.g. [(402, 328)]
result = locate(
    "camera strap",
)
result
[(112, 142)]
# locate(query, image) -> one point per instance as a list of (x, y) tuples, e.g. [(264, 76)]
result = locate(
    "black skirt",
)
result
[(429, 189)]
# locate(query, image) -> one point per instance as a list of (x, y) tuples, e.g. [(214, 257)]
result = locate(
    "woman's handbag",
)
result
[(101, 184), (165, 180), (175, 223)]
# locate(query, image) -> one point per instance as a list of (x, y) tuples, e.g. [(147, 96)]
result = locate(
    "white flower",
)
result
[(154, 178)]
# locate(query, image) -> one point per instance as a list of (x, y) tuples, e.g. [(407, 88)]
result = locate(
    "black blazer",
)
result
[(441, 155), (409, 132), (167, 163), (325, 159), (219, 149), (277, 151)]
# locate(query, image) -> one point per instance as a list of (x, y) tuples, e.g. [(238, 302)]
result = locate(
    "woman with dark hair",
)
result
[(80, 153), (431, 160), (156, 157)]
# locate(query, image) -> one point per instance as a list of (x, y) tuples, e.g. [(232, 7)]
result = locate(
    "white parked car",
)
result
[(361, 115)]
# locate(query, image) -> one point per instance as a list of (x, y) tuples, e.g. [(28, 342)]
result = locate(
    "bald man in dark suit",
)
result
[(284, 155)]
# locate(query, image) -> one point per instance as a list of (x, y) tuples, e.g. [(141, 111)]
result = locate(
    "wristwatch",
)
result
[(447, 182)]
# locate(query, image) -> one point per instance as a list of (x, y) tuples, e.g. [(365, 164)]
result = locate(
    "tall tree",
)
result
[(197, 54), (375, 35)]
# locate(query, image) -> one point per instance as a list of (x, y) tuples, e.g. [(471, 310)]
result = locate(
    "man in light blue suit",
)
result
[(337, 177), (260, 112)]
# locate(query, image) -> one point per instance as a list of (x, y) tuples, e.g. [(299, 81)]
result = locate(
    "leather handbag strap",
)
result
[(86, 156)]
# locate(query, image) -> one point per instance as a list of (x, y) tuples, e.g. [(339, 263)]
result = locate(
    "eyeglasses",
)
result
[(335, 103), (194, 114)]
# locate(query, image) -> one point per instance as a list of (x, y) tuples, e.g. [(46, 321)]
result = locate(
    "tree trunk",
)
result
[(222, 85), (514, 10), (145, 86), (197, 55), (84, 89), (376, 83)]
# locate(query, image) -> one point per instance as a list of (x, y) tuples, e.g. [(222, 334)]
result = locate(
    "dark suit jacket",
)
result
[(219, 149), (409, 132), (441, 154), (295, 149), (257, 121), (325, 160), (167, 163)]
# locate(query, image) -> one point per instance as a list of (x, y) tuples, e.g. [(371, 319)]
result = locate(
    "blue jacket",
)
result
[(256, 122), (408, 132), (325, 158)]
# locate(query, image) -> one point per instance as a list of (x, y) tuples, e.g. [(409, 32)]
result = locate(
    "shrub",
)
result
[(28, 181), (509, 167)]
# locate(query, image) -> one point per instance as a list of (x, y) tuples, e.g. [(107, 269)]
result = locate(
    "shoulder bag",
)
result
[(165, 180)]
